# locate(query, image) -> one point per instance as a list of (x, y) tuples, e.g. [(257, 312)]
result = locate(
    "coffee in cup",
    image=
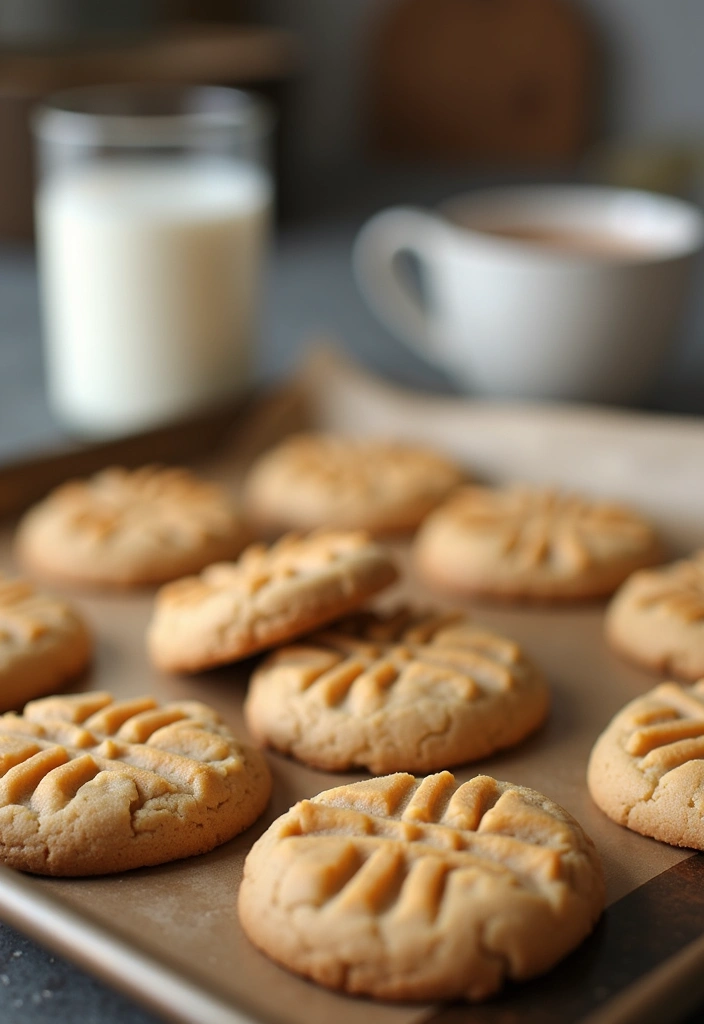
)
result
[(540, 292)]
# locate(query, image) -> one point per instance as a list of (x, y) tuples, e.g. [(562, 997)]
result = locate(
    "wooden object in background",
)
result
[(16, 163), (189, 53), (492, 81)]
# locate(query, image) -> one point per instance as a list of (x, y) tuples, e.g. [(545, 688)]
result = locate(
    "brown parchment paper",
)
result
[(183, 914)]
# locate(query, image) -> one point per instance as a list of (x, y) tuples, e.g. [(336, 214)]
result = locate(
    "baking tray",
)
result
[(169, 935)]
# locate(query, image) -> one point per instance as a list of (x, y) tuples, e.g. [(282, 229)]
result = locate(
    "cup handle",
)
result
[(380, 280)]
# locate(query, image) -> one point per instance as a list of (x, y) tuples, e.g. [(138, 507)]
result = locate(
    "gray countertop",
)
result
[(310, 292)]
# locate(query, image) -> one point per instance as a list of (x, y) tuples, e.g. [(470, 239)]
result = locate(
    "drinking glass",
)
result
[(153, 208)]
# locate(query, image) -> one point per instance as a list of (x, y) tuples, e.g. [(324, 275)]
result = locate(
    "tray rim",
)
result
[(123, 964), (152, 980), (167, 989)]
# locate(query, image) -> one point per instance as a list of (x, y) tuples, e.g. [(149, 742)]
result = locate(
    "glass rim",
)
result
[(69, 116)]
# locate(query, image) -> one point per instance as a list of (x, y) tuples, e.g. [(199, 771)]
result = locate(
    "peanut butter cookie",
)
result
[(269, 596), (90, 786), (526, 543), (323, 480), (44, 642), (646, 770), (405, 691), (656, 619), (404, 888), (130, 528)]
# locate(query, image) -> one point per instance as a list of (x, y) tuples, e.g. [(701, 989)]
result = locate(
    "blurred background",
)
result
[(378, 102), (491, 84)]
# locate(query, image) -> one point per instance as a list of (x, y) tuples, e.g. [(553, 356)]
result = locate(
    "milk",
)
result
[(150, 276)]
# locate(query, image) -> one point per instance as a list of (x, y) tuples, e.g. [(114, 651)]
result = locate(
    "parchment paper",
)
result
[(184, 913)]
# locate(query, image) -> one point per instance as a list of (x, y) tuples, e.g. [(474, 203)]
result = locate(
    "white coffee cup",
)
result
[(587, 315)]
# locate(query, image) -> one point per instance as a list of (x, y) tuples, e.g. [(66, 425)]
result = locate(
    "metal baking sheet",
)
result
[(169, 935)]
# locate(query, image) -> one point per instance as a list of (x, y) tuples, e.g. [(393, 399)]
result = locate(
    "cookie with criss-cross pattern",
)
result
[(404, 888), (656, 618), (404, 691), (89, 785), (130, 528), (646, 770), (269, 596), (44, 642), (317, 480), (532, 543)]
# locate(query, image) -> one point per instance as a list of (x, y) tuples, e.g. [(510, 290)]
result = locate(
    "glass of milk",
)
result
[(152, 212)]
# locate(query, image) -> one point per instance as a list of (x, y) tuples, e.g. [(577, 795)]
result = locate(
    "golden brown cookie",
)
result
[(269, 596), (406, 691), (130, 528), (526, 543), (44, 642), (404, 888), (646, 770), (90, 786), (326, 480), (656, 618)]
